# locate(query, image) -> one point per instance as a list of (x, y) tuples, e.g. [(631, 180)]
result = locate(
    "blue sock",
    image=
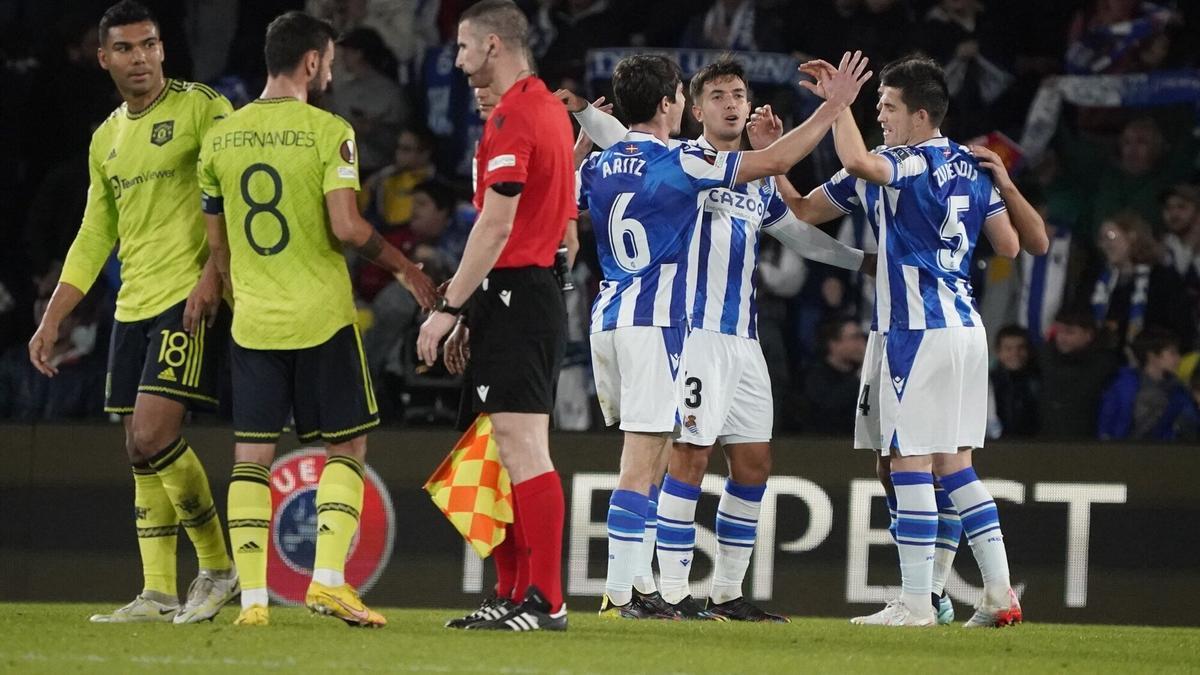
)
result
[(626, 529)]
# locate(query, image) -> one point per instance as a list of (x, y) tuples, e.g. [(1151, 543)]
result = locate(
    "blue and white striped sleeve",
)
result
[(776, 208), (907, 164), (841, 192), (709, 170), (995, 203)]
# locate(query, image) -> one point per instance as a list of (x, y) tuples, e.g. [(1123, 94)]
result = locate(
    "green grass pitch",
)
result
[(56, 638)]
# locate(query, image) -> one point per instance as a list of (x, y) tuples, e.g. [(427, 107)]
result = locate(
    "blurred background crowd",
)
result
[(1097, 339)]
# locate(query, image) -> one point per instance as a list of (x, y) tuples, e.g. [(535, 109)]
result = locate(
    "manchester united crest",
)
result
[(162, 132)]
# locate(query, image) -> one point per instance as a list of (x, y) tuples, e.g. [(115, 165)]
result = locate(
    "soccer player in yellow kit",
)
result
[(278, 179), (169, 318)]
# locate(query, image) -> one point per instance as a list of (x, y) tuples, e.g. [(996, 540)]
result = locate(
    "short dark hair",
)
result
[(425, 137), (830, 331), (922, 85), (1077, 317), (641, 82), (725, 66), (290, 36), (501, 17), (1012, 330), (124, 13), (439, 191), (1153, 340)]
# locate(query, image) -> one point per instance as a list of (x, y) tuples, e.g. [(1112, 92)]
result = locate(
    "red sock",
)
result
[(520, 556), (504, 557), (541, 499)]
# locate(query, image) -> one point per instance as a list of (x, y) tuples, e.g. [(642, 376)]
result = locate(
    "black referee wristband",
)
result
[(443, 306)]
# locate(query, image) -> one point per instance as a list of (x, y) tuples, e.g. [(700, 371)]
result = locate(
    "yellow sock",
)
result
[(339, 500), (185, 481), (250, 528), (157, 531)]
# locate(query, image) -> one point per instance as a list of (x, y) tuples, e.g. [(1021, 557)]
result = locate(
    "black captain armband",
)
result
[(213, 206), (508, 188)]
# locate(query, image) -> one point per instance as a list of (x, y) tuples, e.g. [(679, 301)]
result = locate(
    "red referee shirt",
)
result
[(528, 139)]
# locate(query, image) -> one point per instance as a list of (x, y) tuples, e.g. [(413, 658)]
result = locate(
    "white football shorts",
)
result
[(635, 369), (923, 391), (725, 391)]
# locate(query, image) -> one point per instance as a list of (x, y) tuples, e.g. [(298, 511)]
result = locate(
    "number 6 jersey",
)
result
[(644, 196), (267, 167), (927, 220)]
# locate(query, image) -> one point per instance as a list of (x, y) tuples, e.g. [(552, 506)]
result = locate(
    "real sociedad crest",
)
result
[(294, 480)]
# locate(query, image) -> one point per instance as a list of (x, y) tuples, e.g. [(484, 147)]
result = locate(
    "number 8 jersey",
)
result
[(267, 167), (644, 197), (927, 220)]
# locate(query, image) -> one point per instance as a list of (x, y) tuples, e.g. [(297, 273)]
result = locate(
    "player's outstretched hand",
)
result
[(991, 161), (41, 348), (419, 284), (764, 127), (820, 70), (573, 101), (457, 350), (843, 85), (202, 303)]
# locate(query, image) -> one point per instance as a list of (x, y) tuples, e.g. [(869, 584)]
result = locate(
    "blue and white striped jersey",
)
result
[(643, 196), (721, 283), (927, 220)]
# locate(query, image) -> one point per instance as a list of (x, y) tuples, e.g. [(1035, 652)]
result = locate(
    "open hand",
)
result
[(764, 127), (457, 350), (842, 86), (419, 284), (991, 161)]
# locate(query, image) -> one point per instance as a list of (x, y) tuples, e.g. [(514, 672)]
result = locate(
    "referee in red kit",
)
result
[(517, 320)]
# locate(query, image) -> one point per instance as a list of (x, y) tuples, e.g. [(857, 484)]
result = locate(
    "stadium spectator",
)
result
[(386, 197), (1047, 281), (831, 386), (734, 25), (954, 33), (1187, 425), (781, 273), (1074, 370), (1118, 36), (408, 27), (562, 32), (1145, 402), (370, 99), (1139, 176), (1132, 289), (1015, 383), (1181, 216)]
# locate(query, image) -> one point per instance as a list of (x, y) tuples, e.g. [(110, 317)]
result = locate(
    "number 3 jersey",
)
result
[(927, 220), (644, 196), (143, 193), (267, 167)]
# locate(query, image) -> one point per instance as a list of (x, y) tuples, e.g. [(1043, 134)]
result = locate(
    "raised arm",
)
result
[(594, 120), (1025, 219), (840, 90), (852, 151), (812, 243)]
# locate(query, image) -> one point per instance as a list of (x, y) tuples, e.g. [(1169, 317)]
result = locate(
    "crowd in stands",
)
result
[(1097, 339)]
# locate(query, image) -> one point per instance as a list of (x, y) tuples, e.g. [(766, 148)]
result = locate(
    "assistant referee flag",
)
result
[(473, 490)]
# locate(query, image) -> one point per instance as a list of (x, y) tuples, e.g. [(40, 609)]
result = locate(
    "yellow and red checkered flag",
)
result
[(472, 488)]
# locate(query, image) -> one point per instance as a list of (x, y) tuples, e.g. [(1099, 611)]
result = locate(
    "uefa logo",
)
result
[(294, 479)]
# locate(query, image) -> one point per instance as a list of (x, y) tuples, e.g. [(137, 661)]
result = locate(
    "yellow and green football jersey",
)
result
[(143, 193), (271, 164)]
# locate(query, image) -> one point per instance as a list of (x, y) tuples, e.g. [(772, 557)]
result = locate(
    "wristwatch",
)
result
[(442, 306)]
